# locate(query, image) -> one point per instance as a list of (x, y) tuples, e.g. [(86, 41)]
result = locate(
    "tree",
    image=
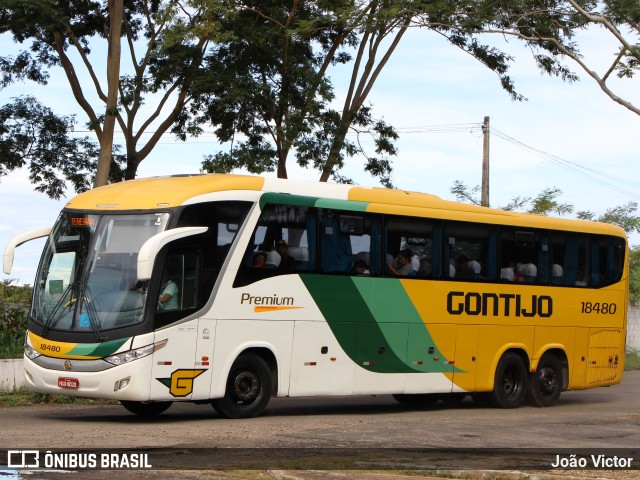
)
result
[(547, 202), (32, 136), (623, 215), (270, 86), (166, 40), (620, 19), (634, 274), (270, 83)]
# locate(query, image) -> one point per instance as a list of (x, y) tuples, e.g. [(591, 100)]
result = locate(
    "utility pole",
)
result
[(484, 196)]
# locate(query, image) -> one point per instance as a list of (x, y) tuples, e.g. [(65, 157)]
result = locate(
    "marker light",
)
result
[(120, 384), (30, 352), (131, 355)]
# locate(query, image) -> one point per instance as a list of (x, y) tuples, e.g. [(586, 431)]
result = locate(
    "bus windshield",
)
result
[(86, 281)]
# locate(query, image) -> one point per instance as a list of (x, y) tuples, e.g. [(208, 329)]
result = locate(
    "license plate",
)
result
[(66, 382)]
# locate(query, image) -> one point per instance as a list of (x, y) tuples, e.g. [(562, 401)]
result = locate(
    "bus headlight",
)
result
[(30, 352), (135, 354)]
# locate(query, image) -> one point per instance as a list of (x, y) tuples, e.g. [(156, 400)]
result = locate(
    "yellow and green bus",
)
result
[(232, 289)]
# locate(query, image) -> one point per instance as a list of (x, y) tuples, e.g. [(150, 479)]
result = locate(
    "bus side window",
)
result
[(421, 237), (293, 226), (470, 250), (570, 251), (607, 260), (524, 255)]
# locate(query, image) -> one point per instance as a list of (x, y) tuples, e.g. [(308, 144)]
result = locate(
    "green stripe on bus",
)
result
[(353, 324), (98, 349), (299, 200), (286, 199), (401, 323), (342, 205), (376, 324)]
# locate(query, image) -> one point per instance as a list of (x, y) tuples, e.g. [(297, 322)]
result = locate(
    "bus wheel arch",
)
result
[(511, 380), (250, 384), (549, 379)]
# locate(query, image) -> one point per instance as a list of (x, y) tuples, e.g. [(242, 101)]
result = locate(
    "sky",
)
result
[(569, 136)]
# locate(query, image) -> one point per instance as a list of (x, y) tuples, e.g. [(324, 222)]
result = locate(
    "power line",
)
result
[(591, 174), (585, 172)]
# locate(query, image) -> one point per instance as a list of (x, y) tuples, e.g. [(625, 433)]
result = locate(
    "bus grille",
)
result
[(605, 356)]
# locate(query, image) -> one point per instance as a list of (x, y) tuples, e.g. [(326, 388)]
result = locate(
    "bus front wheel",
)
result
[(248, 390), (545, 384), (510, 386), (145, 409)]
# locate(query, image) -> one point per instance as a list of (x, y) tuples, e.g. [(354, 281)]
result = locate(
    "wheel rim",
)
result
[(246, 387), (511, 382), (548, 381)]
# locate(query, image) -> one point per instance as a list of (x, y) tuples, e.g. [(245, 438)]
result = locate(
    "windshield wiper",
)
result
[(94, 319), (56, 307)]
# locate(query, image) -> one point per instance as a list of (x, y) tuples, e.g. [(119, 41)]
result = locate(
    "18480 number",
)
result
[(603, 308)]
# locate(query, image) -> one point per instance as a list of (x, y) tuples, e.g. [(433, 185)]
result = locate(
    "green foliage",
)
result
[(624, 216), (632, 360), (634, 274), (13, 326), (32, 135), (258, 71), (14, 305), (24, 398), (166, 40), (545, 203)]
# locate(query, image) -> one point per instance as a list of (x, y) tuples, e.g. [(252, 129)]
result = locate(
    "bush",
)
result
[(14, 306), (13, 325)]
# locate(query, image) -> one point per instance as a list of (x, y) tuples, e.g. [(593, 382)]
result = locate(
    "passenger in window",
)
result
[(287, 263), (415, 265), (529, 273), (475, 267), (507, 274), (556, 274), (402, 267), (360, 268), (581, 279), (463, 270), (273, 260), (169, 295), (259, 260), (425, 268)]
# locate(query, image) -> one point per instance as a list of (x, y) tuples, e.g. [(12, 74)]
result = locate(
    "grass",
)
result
[(632, 360), (24, 398)]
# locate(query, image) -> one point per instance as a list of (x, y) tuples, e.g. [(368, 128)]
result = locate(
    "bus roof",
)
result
[(166, 192)]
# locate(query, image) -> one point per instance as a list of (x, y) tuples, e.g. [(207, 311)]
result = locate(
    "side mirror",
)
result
[(150, 248), (18, 240)]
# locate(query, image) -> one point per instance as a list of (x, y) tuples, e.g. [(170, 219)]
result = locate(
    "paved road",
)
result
[(602, 418)]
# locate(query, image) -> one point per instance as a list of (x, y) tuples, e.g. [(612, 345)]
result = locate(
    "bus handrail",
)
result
[(18, 240), (150, 248)]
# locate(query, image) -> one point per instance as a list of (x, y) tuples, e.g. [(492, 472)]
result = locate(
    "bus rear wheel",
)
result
[(145, 409), (248, 390), (510, 385), (545, 384)]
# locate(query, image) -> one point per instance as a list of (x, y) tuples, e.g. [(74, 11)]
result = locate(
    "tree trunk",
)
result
[(116, 13)]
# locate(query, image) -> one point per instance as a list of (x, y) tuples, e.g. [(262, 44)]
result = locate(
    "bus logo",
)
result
[(268, 303), (180, 383)]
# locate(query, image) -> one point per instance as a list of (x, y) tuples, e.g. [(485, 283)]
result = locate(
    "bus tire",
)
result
[(417, 399), (248, 390), (510, 385), (545, 384), (145, 409)]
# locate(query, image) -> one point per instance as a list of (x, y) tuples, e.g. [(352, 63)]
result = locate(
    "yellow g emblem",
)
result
[(181, 382)]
